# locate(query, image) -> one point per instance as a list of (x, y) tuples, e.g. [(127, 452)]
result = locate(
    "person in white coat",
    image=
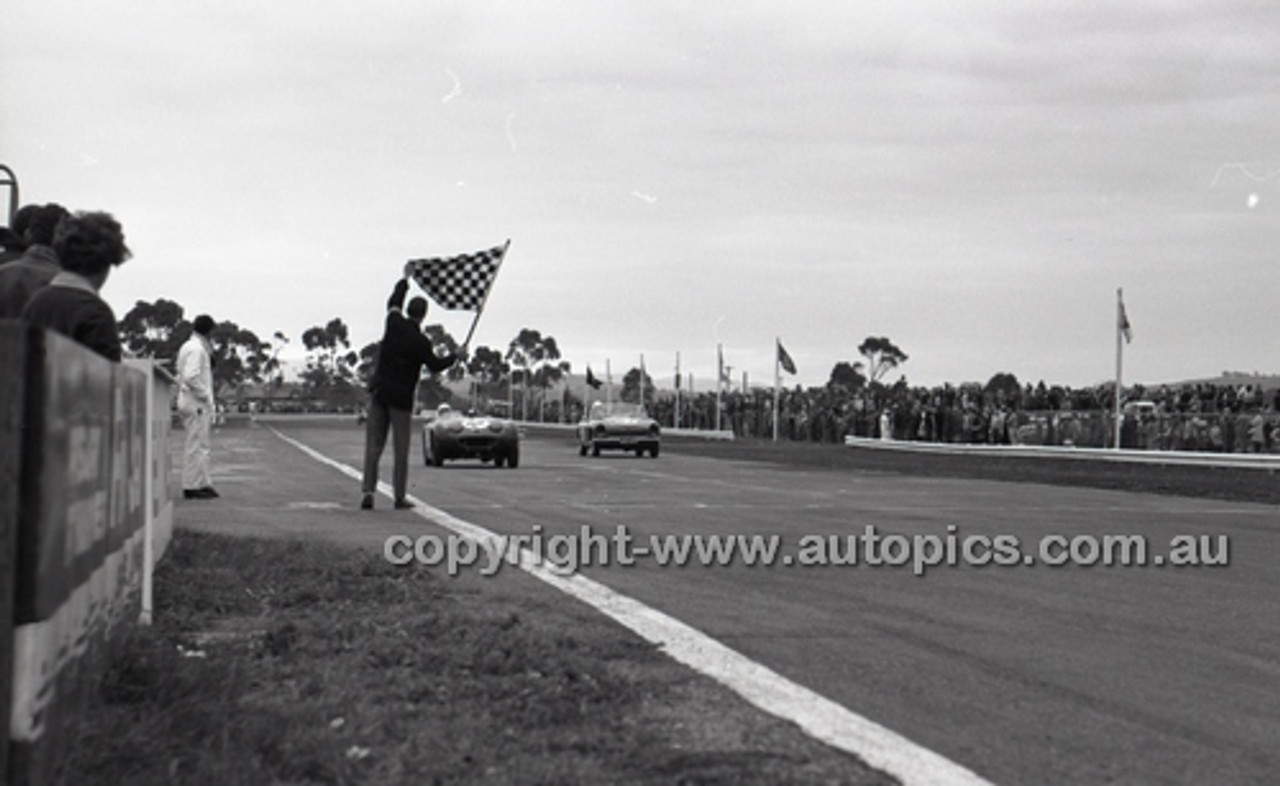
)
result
[(196, 408)]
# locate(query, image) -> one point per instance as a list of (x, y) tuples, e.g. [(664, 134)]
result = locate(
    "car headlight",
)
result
[(495, 427), (653, 430)]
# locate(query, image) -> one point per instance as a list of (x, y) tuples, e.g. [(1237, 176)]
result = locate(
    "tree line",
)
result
[(335, 374)]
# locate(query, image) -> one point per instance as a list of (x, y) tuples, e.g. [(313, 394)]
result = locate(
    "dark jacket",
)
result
[(70, 306), (402, 354), (23, 277)]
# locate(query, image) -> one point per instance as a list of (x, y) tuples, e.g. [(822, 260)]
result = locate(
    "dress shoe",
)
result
[(202, 493), (367, 502), (403, 504)]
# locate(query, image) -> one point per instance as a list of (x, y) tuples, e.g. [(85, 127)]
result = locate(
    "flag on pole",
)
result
[(719, 381), (592, 381), (784, 360), (460, 282), (1125, 329)]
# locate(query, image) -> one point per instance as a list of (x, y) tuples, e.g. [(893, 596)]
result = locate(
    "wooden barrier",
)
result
[(78, 440)]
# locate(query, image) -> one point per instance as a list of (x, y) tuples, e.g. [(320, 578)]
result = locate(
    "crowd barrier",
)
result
[(86, 510)]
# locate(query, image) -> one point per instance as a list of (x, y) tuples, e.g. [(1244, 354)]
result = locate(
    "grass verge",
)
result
[(282, 661)]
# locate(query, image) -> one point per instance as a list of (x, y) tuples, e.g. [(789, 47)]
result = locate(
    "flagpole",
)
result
[(474, 320), (719, 381), (693, 421), (641, 379), (1119, 360), (675, 421), (777, 382), (608, 383)]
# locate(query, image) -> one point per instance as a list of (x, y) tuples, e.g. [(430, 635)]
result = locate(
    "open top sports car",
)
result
[(453, 435), (618, 425)]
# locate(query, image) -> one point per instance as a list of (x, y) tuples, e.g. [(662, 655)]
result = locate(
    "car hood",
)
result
[(471, 424), (627, 421)]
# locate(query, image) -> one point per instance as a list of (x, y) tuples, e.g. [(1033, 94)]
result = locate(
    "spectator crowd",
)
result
[(1230, 418)]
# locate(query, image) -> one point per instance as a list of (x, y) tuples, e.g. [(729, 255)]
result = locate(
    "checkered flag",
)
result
[(461, 282)]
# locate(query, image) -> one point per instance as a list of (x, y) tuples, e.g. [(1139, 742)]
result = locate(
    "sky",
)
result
[(973, 180)]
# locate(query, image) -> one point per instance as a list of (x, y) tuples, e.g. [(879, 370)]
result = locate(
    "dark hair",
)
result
[(203, 324), (22, 219), (90, 243), (11, 241), (417, 308), (44, 222)]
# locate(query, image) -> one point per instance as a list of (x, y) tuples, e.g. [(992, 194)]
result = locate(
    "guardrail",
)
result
[(1243, 460), (85, 513), (667, 431)]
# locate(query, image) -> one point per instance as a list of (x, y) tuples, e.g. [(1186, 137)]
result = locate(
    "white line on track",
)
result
[(820, 717)]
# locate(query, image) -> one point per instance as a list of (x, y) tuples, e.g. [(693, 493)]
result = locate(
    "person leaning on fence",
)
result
[(403, 352), (88, 245), (38, 263), (196, 408)]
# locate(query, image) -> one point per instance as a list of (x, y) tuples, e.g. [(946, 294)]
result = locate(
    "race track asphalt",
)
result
[(1023, 674)]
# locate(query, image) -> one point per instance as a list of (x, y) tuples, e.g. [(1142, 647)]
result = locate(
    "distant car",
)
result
[(618, 426), (452, 434), (1143, 409)]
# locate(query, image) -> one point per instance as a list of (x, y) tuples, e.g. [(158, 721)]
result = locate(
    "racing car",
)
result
[(618, 425), (452, 434)]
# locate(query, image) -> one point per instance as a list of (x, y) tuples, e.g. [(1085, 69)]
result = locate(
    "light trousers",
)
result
[(196, 420)]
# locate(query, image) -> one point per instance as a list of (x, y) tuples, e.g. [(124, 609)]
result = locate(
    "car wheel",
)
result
[(437, 460), (653, 451), (639, 452), (595, 450), (582, 449), (426, 454), (513, 458), (498, 460)]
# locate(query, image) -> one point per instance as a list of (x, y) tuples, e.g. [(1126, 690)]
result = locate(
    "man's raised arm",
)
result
[(396, 301)]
